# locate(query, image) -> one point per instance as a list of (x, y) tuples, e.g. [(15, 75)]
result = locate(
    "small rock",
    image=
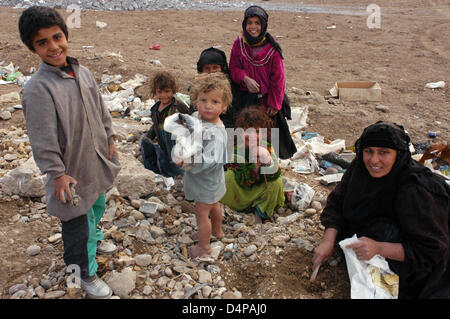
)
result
[(40, 292), (382, 108), (46, 284), (177, 294), (54, 238), (147, 290), (75, 292), (249, 250), (54, 294), (16, 288), (122, 283), (204, 276), (228, 295), (143, 260), (316, 205), (10, 157), (137, 215), (33, 250), (5, 115), (310, 212), (206, 291)]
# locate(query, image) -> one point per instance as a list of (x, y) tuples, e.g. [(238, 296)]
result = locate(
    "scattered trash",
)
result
[(331, 27), (435, 85), (184, 128), (155, 47), (157, 62), (434, 134), (330, 179), (343, 160), (87, 47), (183, 98), (100, 24), (299, 194), (356, 91), (299, 116)]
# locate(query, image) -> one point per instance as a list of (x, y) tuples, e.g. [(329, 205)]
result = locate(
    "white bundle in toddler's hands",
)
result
[(187, 132), (369, 279)]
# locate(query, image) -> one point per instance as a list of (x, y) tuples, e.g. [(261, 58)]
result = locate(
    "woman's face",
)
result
[(253, 26), (210, 68), (379, 160)]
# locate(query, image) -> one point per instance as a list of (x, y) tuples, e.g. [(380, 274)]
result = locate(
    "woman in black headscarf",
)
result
[(214, 60), (398, 209), (257, 69)]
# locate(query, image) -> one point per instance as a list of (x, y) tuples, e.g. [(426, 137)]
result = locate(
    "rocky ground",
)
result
[(272, 260)]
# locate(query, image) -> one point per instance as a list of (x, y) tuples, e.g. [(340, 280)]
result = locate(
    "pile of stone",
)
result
[(151, 225)]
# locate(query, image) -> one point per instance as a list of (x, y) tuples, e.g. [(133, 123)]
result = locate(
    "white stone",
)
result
[(133, 181), (25, 180), (122, 283), (143, 260), (204, 276)]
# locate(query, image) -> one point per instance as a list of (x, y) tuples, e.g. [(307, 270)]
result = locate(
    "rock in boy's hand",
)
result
[(61, 186)]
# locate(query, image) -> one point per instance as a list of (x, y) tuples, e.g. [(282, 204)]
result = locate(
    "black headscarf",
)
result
[(370, 201), (213, 56), (257, 11)]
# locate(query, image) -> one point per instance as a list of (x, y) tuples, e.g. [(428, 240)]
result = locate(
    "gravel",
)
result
[(215, 5)]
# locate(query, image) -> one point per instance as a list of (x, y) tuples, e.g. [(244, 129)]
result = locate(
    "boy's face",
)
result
[(51, 46), (210, 105), (164, 96)]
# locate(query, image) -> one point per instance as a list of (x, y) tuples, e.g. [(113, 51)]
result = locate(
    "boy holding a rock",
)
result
[(70, 132)]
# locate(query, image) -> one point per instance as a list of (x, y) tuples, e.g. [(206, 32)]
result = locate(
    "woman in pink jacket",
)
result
[(257, 68)]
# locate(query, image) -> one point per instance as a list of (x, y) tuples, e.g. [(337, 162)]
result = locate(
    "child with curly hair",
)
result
[(204, 181), (253, 179)]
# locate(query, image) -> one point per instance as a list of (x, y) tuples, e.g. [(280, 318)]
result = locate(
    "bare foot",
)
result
[(197, 251), (218, 234)]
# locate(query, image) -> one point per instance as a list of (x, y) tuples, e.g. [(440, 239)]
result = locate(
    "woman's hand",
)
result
[(61, 186), (324, 251), (271, 111), (252, 85), (365, 248)]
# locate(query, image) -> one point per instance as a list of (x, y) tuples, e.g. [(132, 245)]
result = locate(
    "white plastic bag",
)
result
[(188, 137), (369, 279), (302, 194)]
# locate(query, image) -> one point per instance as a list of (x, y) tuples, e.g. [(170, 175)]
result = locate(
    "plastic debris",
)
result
[(299, 194), (435, 85), (100, 24), (155, 47)]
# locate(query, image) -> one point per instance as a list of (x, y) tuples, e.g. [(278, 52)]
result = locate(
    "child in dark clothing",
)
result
[(70, 132), (157, 157)]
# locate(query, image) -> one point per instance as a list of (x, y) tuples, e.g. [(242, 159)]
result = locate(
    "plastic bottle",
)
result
[(434, 134)]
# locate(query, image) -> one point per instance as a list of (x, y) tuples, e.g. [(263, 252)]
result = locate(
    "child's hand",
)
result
[(264, 156), (61, 186), (178, 161), (113, 152)]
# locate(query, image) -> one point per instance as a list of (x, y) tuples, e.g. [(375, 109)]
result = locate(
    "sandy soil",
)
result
[(409, 50)]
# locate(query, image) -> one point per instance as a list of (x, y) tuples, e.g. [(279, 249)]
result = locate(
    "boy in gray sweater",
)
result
[(70, 132)]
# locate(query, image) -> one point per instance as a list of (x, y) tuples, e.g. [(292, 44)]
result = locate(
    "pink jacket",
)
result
[(266, 68)]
